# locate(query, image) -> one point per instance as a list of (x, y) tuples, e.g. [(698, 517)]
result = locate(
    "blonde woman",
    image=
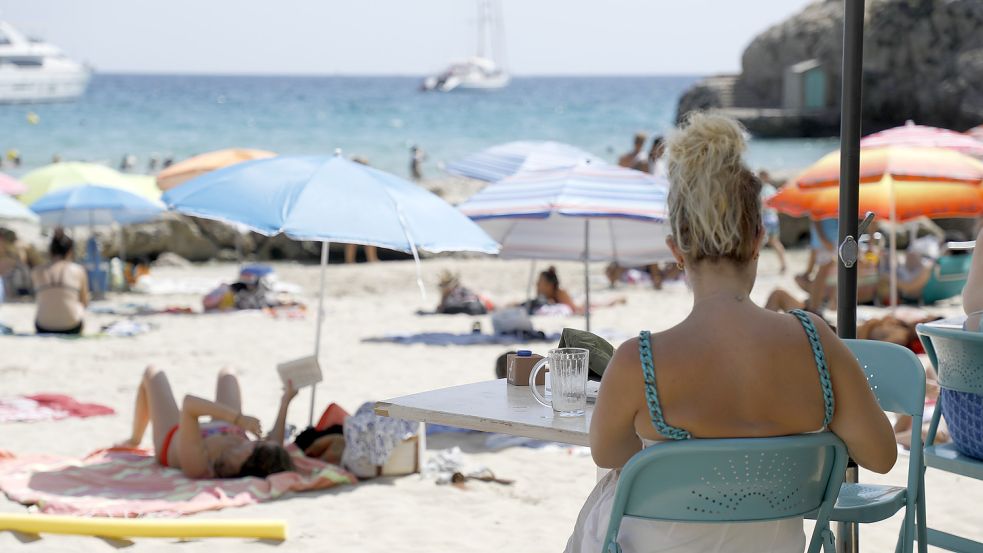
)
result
[(731, 368)]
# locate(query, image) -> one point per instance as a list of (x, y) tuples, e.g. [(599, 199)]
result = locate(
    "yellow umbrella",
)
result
[(204, 163), (63, 175)]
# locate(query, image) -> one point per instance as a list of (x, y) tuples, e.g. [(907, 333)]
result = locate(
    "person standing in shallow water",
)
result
[(417, 157), (635, 159)]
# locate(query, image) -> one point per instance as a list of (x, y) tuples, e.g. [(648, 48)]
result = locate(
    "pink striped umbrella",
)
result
[(920, 136), (10, 185), (976, 132)]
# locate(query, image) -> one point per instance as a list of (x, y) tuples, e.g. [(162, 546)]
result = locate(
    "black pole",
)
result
[(848, 539)]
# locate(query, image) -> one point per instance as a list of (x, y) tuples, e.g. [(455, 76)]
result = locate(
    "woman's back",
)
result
[(59, 287), (718, 379)]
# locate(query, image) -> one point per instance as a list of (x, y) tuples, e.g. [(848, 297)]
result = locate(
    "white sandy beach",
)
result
[(391, 514)]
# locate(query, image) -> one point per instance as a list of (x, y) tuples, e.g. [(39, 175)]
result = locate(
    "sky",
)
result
[(396, 37)]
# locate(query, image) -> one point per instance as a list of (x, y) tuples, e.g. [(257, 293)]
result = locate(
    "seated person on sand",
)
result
[(652, 273), (219, 448), (867, 290), (253, 290), (915, 270), (455, 298), (552, 299), (699, 379), (62, 289), (362, 443), (17, 259)]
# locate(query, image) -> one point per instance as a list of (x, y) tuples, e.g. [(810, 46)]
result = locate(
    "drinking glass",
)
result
[(568, 379)]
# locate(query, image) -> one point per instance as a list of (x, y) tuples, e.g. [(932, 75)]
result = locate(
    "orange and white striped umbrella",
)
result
[(190, 168), (896, 183)]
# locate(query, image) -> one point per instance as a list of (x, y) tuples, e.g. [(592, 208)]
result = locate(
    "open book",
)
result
[(301, 372)]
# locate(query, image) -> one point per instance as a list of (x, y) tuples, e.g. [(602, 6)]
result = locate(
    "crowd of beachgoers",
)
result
[(135, 371)]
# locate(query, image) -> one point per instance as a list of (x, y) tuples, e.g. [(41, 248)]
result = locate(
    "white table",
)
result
[(491, 406)]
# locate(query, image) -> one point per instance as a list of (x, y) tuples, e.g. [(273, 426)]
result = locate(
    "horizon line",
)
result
[(141, 73)]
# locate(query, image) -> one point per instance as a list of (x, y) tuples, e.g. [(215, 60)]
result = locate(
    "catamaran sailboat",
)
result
[(32, 70), (485, 70)]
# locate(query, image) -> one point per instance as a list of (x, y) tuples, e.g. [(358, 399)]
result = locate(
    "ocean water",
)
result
[(378, 118)]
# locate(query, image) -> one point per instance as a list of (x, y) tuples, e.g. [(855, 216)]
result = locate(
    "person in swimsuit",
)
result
[(219, 448), (62, 289), (636, 159), (730, 369)]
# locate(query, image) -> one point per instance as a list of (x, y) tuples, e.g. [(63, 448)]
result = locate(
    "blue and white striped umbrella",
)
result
[(542, 214), (586, 213), (504, 160)]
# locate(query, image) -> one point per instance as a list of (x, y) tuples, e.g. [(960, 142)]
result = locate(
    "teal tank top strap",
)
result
[(652, 393), (820, 355)]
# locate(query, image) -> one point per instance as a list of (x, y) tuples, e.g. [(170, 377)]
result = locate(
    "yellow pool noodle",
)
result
[(144, 527)]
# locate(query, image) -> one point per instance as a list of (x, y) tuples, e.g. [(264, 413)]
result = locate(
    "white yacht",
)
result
[(32, 70), (486, 69)]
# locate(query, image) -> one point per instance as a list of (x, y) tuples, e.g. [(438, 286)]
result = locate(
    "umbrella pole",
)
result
[(587, 272), (847, 534), (894, 249), (532, 273), (320, 320)]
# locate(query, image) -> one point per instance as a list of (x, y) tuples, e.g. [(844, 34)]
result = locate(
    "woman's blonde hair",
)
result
[(714, 199)]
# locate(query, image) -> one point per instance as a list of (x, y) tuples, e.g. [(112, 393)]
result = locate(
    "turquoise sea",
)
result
[(378, 118)]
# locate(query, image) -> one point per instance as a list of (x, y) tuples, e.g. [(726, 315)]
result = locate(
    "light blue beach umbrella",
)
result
[(504, 160), (92, 205), (13, 210), (330, 199)]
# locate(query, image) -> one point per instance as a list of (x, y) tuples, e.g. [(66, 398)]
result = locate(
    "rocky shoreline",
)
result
[(923, 60)]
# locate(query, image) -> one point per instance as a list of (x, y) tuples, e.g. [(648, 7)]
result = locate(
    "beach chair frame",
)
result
[(897, 379), (733, 480), (957, 356)]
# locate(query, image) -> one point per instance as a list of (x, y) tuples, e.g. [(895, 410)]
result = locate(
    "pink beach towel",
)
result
[(47, 407), (130, 483)]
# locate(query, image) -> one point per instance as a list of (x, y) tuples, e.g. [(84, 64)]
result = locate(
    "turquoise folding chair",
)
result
[(897, 379), (957, 356), (733, 480)]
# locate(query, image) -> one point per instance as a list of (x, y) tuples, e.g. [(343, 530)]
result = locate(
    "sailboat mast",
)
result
[(484, 21)]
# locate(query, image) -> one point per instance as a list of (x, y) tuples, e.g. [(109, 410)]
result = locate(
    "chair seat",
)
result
[(867, 503), (945, 457)]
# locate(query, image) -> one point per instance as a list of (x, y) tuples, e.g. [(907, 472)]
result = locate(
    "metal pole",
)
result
[(587, 271), (848, 537), (320, 320), (529, 284)]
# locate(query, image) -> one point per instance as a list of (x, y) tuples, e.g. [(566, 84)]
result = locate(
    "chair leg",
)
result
[(899, 547), (921, 525)]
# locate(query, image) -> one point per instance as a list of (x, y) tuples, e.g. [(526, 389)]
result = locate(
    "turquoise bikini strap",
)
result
[(820, 355), (652, 393)]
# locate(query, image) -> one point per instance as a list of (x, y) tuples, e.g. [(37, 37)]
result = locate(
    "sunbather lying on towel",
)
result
[(219, 448)]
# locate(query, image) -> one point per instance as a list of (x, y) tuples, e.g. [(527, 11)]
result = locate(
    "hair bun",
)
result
[(714, 204)]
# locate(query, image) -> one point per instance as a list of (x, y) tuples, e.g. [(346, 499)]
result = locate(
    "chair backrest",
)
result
[(948, 278), (957, 356), (895, 375), (732, 480)]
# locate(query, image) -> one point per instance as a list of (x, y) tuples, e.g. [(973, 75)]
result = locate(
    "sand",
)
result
[(391, 514)]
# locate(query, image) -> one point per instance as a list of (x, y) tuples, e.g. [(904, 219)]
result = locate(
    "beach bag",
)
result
[(963, 412)]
